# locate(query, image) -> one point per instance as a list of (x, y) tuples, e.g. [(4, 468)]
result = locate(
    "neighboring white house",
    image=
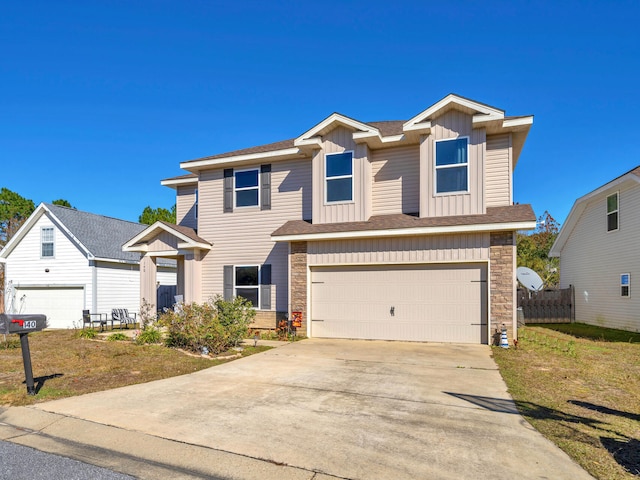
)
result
[(63, 260), (598, 250)]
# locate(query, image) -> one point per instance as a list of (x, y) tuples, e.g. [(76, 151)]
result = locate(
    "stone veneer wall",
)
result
[(298, 287), (267, 319), (502, 252)]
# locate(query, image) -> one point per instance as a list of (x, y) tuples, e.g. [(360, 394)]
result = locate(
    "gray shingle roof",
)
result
[(103, 236)]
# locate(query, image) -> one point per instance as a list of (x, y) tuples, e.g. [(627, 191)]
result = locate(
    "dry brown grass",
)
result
[(67, 365), (582, 394)]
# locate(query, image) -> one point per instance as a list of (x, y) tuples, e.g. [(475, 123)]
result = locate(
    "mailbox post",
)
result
[(23, 325)]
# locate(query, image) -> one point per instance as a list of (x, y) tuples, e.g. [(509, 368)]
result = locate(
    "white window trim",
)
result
[(453, 165), (235, 189), (617, 210), (628, 285), (338, 177), (52, 242), (257, 287)]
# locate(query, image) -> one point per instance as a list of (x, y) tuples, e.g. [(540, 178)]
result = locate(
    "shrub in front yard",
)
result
[(217, 324), (151, 334), (87, 333), (117, 337)]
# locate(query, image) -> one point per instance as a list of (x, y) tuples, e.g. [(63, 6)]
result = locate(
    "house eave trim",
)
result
[(405, 232), (195, 165), (176, 183)]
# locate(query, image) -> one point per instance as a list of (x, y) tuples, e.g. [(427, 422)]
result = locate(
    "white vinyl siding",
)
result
[(118, 286), (498, 171), (453, 124), (25, 267), (592, 260), (396, 180), (243, 237), (186, 206)]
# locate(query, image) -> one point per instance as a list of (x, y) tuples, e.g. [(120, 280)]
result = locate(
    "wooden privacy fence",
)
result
[(546, 306)]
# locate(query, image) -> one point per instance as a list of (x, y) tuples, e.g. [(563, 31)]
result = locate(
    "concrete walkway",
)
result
[(315, 409)]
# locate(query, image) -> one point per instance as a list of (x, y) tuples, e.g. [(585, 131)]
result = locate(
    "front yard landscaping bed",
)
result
[(65, 365), (581, 390)]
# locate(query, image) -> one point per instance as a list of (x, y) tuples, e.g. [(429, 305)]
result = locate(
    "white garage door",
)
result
[(438, 303), (62, 306)]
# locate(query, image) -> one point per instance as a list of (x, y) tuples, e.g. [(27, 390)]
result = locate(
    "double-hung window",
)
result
[(625, 283), (246, 283), (247, 187), (339, 177), (46, 242), (612, 212), (452, 166)]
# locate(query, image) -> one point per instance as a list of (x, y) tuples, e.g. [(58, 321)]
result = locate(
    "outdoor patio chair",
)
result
[(87, 319), (122, 316)]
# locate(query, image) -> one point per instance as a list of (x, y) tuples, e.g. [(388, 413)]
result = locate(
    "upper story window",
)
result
[(625, 283), (612, 212), (247, 187), (339, 177), (46, 242), (452, 165)]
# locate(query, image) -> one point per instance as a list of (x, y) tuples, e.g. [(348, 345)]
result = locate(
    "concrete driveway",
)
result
[(348, 409)]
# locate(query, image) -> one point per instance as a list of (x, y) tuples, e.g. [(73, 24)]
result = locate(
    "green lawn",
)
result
[(579, 386)]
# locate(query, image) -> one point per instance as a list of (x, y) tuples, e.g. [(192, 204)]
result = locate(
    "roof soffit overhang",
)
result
[(139, 243), (195, 166), (581, 204), (179, 182)]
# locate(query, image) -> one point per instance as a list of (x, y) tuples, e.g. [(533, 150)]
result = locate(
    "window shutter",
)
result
[(265, 287), (265, 187), (228, 190), (228, 282)]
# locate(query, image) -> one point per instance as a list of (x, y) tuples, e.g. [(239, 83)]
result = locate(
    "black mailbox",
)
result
[(27, 323), (23, 325)]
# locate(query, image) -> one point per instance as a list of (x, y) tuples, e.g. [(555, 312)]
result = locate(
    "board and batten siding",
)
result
[(185, 206), (243, 237), (68, 266), (593, 259), (340, 140), (453, 124), (498, 171), (396, 180), (163, 242), (420, 249)]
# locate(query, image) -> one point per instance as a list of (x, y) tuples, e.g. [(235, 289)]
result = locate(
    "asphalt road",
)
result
[(24, 463)]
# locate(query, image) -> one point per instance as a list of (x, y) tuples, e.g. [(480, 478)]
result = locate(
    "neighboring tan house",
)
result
[(62, 261), (399, 230), (598, 250)]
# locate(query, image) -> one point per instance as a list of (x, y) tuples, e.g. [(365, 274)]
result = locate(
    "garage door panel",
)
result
[(430, 303), (62, 306)]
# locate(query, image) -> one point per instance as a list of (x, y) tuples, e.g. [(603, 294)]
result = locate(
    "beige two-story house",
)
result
[(398, 230)]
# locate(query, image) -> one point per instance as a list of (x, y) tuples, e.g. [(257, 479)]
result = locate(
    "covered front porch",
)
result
[(165, 240)]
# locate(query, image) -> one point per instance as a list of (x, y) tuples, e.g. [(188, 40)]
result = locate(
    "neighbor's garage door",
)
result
[(439, 303), (62, 306)]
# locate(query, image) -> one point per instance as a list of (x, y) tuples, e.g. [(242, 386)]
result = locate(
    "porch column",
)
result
[(193, 277), (148, 289)]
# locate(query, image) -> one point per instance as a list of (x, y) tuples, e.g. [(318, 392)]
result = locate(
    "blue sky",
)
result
[(99, 100)]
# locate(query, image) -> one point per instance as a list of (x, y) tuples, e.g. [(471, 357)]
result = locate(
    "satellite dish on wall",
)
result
[(529, 279)]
